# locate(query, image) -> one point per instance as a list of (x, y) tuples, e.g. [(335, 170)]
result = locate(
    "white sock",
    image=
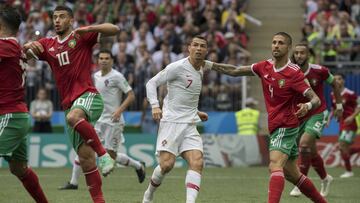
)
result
[(76, 171), (156, 179), (125, 160), (192, 183)]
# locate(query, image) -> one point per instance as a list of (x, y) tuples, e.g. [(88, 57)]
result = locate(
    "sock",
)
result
[(309, 190), (156, 179), (75, 171), (346, 158), (32, 185), (318, 164), (354, 150), (304, 160), (276, 186), (125, 160), (93, 181), (192, 183), (88, 133)]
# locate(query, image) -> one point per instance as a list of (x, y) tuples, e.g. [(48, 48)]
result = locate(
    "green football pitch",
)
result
[(238, 185)]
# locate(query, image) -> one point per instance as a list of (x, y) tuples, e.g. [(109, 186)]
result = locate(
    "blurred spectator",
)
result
[(147, 123), (163, 57), (247, 119), (41, 110)]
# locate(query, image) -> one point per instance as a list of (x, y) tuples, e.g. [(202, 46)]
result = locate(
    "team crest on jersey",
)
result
[(314, 82), (281, 83), (106, 82), (72, 43)]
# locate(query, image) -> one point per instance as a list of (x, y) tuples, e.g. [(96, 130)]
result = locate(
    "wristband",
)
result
[(309, 104), (339, 106), (208, 64)]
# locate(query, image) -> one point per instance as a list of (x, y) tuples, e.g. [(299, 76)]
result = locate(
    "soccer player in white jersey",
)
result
[(111, 84), (178, 117)]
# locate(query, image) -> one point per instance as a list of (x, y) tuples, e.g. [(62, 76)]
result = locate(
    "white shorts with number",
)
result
[(110, 135), (178, 137)]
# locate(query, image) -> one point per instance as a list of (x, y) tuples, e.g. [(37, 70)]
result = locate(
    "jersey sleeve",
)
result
[(91, 38), (7, 49), (327, 76), (44, 42), (123, 84), (300, 83), (256, 69)]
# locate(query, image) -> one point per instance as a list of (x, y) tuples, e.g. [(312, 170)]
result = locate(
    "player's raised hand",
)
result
[(33, 48), (81, 31), (115, 117), (303, 110), (157, 113), (203, 116)]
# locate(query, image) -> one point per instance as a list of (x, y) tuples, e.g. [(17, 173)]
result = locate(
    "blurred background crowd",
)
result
[(153, 34)]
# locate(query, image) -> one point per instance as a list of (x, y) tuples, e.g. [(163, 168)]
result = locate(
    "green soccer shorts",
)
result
[(13, 130), (347, 136), (92, 104), (314, 125), (284, 140)]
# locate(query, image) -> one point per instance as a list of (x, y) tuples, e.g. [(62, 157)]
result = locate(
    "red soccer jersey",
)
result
[(12, 77), (281, 87), (70, 60), (349, 101), (316, 75)]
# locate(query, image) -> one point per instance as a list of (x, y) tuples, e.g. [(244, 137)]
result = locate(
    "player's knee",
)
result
[(166, 166), (17, 171), (196, 164), (72, 118)]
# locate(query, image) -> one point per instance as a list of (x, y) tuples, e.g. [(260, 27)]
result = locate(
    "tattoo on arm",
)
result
[(232, 70), (314, 99)]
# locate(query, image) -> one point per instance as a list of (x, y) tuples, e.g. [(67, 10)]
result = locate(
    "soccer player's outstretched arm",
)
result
[(314, 103), (106, 29), (232, 70), (337, 94)]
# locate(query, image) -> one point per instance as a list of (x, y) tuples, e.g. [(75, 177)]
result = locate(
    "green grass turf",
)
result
[(238, 185)]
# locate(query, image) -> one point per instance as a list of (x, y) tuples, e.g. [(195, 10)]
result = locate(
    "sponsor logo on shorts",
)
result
[(163, 143)]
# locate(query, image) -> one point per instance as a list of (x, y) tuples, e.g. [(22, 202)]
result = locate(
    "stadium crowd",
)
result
[(332, 29), (153, 34)]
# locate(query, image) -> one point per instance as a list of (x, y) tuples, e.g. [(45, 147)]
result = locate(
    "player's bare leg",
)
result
[(195, 161), (166, 163), (93, 179), (277, 180), (29, 180), (76, 118), (293, 175), (345, 155), (125, 160)]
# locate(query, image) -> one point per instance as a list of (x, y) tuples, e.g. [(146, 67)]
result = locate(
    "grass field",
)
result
[(238, 185)]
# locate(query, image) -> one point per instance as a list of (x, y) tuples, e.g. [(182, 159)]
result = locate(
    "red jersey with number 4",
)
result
[(281, 88), (349, 102), (316, 76), (12, 76), (70, 60)]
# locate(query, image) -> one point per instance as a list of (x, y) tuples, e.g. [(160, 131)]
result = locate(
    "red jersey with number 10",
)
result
[(281, 88), (12, 77), (70, 60)]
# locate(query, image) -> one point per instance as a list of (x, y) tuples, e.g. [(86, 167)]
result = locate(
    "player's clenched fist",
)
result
[(34, 47), (157, 113), (203, 116)]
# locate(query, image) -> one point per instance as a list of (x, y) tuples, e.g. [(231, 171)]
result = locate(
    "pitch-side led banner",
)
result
[(54, 150)]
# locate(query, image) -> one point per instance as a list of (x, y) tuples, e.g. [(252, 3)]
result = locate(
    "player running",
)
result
[(111, 85), (347, 123), (312, 124), (282, 82), (14, 119), (69, 56)]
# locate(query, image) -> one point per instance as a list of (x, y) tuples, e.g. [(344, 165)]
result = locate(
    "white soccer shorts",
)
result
[(177, 138), (111, 136)]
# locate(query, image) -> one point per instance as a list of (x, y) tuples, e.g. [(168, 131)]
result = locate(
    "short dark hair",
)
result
[(286, 35), (11, 18), (64, 8), (303, 44), (199, 37), (340, 74), (106, 51)]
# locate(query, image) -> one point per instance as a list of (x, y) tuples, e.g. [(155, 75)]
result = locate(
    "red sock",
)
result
[(32, 185), (309, 190), (276, 186), (304, 160), (93, 181), (318, 164), (354, 150), (88, 133), (346, 158)]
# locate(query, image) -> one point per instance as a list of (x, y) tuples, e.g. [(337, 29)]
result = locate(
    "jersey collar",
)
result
[(9, 38), (65, 38), (282, 68), (308, 70)]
